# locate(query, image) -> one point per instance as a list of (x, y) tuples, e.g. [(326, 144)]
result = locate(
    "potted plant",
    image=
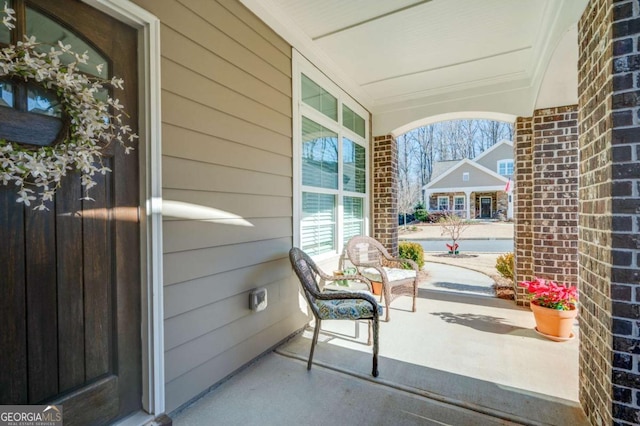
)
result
[(554, 307)]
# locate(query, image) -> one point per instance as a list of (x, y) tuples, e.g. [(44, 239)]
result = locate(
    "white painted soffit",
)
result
[(406, 60)]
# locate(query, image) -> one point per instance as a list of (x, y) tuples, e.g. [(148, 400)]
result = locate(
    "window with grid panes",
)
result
[(333, 166)]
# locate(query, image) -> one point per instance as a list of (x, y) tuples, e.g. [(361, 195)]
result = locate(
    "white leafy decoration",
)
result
[(91, 124)]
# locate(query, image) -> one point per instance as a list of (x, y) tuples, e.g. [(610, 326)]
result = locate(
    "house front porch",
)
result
[(460, 359)]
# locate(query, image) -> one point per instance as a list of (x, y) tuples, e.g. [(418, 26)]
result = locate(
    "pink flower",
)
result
[(550, 294)]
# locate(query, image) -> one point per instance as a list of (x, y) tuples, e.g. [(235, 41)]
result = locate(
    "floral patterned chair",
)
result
[(325, 305), (374, 262)]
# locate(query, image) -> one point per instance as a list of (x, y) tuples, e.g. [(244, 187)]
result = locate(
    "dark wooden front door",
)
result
[(485, 207), (70, 277)]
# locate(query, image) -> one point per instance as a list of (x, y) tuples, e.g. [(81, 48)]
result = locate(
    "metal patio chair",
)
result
[(332, 305)]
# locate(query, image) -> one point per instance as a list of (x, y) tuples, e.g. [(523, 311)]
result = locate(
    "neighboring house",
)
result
[(475, 189)]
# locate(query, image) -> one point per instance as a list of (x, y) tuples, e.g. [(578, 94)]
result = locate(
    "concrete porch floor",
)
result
[(461, 359)]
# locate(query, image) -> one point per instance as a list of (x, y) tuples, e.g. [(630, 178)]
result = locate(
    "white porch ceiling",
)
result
[(410, 60)]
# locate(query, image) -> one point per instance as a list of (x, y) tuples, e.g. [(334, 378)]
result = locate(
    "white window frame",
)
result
[(455, 205), (443, 197), (465, 176), (505, 163), (301, 65)]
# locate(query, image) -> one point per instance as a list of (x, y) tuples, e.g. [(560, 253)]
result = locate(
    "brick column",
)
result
[(555, 194), (385, 192), (546, 196), (610, 211), (523, 203), (609, 72)]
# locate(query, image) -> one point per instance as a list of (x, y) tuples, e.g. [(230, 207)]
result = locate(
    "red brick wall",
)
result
[(385, 194)]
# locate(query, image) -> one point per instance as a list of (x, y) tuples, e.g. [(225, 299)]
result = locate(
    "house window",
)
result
[(465, 177), (330, 163), (458, 203), (443, 203), (505, 167)]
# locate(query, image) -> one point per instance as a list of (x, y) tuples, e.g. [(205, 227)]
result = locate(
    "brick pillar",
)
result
[(555, 194), (546, 196), (523, 203), (385, 192), (609, 77), (611, 186)]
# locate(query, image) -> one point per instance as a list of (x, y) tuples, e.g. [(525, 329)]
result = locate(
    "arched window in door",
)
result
[(30, 113)]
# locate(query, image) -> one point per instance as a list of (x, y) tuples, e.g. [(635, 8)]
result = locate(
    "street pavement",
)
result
[(468, 246), (479, 237)]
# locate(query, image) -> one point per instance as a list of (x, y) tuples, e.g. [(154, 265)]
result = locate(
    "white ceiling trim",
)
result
[(373, 56), (372, 19), (289, 30)]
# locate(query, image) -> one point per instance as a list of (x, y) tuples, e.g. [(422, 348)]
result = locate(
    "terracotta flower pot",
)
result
[(377, 287), (554, 322)]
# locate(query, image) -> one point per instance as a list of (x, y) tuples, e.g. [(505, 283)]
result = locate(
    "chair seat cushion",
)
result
[(345, 309), (393, 274)]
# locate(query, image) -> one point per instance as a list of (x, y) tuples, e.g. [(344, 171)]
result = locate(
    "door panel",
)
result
[(71, 276), (485, 207)]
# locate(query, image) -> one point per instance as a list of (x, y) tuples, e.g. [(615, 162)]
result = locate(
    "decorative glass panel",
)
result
[(6, 94), (319, 155), (353, 217), (318, 98), (49, 32), (354, 169), (42, 102), (318, 225), (352, 121)]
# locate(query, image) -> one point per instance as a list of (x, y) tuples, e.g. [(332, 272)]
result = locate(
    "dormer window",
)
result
[(505, 167)]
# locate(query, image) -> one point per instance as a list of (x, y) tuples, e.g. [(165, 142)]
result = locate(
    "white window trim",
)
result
[(457, 197), (506, 163), (301, 65), (465, 176), (443, 197)]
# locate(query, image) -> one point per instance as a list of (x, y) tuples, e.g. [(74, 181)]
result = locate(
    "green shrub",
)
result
[(421, 215), (505, 264), (413, 251)]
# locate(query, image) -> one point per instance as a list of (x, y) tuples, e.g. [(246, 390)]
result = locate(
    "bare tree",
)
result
[(423, 139), (408, 189), (408, 197), (453, 226), (492, 132)]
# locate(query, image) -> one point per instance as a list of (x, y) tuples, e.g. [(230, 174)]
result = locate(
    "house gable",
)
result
[(479, 176), (500, 151)]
